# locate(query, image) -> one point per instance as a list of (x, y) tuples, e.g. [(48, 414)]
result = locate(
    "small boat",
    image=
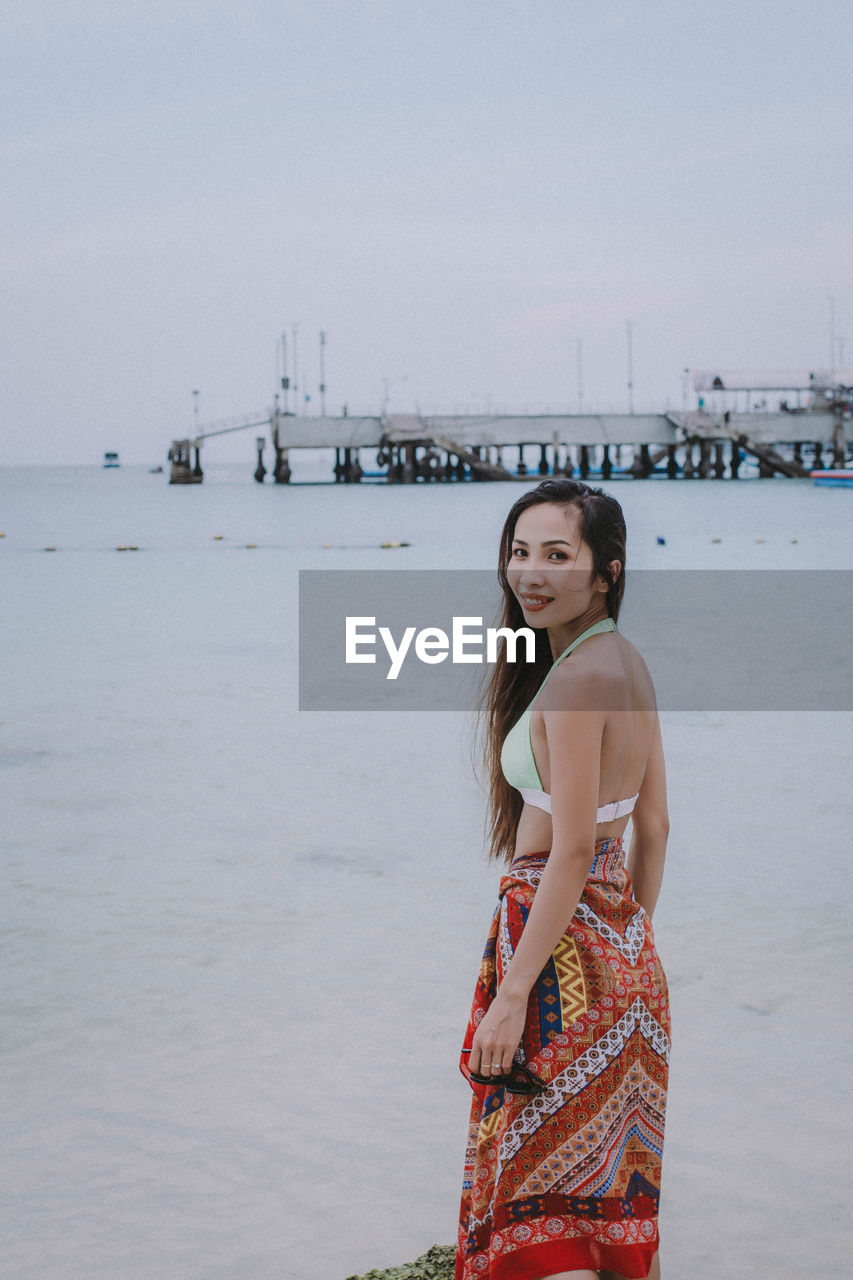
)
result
[(111, 460), (837, 478), (156, 471)]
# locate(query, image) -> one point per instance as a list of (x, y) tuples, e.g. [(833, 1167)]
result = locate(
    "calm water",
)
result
[(239, 941)]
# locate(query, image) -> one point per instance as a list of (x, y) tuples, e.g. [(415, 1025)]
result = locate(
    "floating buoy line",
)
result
[(387, 544)]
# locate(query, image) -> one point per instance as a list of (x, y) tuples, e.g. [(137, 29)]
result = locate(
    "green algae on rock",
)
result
[(436, 1264)]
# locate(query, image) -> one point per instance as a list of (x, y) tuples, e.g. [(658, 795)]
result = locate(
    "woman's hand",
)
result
[(498, 1035)]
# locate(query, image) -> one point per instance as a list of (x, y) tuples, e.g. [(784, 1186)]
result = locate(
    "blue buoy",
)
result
[(661, 541)]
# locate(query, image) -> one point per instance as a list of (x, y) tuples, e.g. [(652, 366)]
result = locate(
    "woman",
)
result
[(568, 1042)]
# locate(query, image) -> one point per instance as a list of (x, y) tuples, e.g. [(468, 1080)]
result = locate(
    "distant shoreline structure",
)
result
[(709, 442)]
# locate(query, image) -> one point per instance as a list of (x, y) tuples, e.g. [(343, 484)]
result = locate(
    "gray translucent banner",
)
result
[(740, 640)]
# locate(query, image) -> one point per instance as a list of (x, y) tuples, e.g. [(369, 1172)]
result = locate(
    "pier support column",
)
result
[(734, 464), (260, 469), (671, 461), (818, 456), (606, 464), (642, 466), (765, 471), (197, 471), (522, 465), (719, 465), (583, 460), (281, 470), (409, 475), (798, 451), (838, 441), (689, 470), (395, 466), (543, 460), (704, 459), (354, 470), (428, 465)]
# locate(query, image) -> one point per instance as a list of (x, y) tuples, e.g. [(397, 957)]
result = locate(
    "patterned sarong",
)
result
[(569, 1178)]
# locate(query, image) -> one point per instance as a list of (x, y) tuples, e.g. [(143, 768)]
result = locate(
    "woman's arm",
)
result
[(574, 751), (650, 828)]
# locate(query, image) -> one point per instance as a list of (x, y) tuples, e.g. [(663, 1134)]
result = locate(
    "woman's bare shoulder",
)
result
[(601, 676), (632, 654), (593, 683)]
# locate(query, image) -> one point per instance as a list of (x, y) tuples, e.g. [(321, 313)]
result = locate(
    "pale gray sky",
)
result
[(456, 191)]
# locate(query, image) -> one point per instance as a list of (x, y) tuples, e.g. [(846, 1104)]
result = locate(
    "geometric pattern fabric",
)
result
[(569, 1178)]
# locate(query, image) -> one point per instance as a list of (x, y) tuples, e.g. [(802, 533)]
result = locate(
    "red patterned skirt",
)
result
[(569, 1178)]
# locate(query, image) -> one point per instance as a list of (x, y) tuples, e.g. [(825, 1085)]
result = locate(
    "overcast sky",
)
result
[(456, 191)]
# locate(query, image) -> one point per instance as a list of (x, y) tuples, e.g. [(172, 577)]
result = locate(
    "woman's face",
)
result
[(550, 568)]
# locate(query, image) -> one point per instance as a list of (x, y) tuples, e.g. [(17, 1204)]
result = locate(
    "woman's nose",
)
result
[(532, 572)]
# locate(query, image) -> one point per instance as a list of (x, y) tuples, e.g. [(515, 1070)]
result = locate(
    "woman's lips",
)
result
[(533, 604)]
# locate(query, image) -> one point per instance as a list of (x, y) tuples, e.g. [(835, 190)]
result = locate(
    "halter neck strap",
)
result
[(597, 628)]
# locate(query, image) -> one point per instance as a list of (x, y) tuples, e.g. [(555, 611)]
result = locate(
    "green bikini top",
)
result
[(517, 762)]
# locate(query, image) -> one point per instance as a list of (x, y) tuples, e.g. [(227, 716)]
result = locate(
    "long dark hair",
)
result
[(511, 686)]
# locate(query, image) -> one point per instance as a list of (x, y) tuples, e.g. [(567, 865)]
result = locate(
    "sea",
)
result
[(239, 940)]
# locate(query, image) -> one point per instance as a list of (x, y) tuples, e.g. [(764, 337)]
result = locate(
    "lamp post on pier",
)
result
[(387, 384)]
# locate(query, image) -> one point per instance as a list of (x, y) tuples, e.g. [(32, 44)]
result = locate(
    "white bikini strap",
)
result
[(616, 809)]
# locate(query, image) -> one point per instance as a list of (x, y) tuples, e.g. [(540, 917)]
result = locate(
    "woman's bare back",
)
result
[(627, 741)]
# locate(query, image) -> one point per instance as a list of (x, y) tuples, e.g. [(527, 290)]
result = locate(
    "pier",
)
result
[(705, 443), (409, 450)]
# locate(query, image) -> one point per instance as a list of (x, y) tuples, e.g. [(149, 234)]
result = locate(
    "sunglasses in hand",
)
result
[(519, 1079)]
